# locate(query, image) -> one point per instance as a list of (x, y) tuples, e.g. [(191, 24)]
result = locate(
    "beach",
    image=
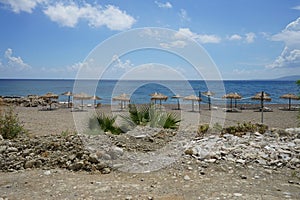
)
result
[(61, 120), (163, 166)]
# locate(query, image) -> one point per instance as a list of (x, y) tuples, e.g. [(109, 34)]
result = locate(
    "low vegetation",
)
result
[(10, 126), (148, 115), (142, 115), (105, 122), (243, 128)]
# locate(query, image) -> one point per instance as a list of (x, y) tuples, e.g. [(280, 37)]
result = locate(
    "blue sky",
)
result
[(246, 39)]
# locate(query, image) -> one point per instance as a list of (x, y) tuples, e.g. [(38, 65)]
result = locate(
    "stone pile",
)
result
[(30, 101), (274, 149), (48, 152)]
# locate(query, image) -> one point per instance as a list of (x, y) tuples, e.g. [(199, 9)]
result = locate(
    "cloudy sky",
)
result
[(246, 39)]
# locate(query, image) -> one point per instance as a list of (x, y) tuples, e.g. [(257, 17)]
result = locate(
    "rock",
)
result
[(93, 158), (76, 166), (105, 170), (189, 152), (237, 194), (47, 173), (186, 178), (12, 149), (30, 164)]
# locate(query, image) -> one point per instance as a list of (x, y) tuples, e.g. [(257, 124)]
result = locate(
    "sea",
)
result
[(140, 90)]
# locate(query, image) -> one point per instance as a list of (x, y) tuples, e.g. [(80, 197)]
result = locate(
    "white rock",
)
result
[(186, 178)]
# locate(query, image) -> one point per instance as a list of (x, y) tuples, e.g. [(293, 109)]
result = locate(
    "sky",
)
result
[(245, 39)]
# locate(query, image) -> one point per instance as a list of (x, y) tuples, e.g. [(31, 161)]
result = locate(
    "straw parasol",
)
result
[(232, 96), (95, 98), (158, 96), (192, 98), (262, 96), (82, 96), (208, 94), (177, 96), (48, 97), (123, 98), (290, 97), (68, 94)]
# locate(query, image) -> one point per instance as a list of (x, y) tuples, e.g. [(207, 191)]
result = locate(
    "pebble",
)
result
[(46, 152), (237, 194), (268, 150), (186, 178)]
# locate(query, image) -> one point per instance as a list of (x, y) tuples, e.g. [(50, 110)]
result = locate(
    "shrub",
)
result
[(104, 122), (148, 115), (202, 129), (10, 126), (242, 129)]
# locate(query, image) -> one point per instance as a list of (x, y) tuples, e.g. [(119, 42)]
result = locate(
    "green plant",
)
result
[(242, 129), (202, 129), (66, 133), (104, 122), (148, 115), (139, 115), (10, 126), (171, 121)]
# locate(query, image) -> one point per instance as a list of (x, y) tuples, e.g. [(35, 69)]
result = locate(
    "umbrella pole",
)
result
[(178, 104), (208, 102), (262, 107), (193, 105), (68, 101), (231, 104), (289, 103), (199, 101)]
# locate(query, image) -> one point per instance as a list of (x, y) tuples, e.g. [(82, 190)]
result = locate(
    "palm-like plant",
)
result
[(105, 122), (147, 115)]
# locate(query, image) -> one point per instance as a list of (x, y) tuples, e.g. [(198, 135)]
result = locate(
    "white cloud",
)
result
[(202, 38), (184, 16), (15, 63), (173, 44), (250, 37), (69, 15), (235, 37), (163, 5), (18, 6), (118, 64), (296, 8), (290, 56)]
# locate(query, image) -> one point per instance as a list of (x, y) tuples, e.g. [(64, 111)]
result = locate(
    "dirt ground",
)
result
[(185, 179)]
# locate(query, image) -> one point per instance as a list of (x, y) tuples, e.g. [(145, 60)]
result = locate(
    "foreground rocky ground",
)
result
[(151, 163)]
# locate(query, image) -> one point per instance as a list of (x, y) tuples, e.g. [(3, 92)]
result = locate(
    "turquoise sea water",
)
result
[(140, 90)]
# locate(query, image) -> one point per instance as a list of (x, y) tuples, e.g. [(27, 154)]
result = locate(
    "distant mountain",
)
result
[(289, 78)]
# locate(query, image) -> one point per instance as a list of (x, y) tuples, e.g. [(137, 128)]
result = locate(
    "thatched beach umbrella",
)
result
[(208, 94), (177, 96), (192, 98), (123, 98), (262, 96), (68, 94), (232, 96), (48, 97), (158, 96), (95, 98), (82, 96), (290, 97)]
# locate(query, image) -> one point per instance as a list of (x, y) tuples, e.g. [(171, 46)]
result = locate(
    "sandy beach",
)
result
[(235, 168), (60, 120)]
